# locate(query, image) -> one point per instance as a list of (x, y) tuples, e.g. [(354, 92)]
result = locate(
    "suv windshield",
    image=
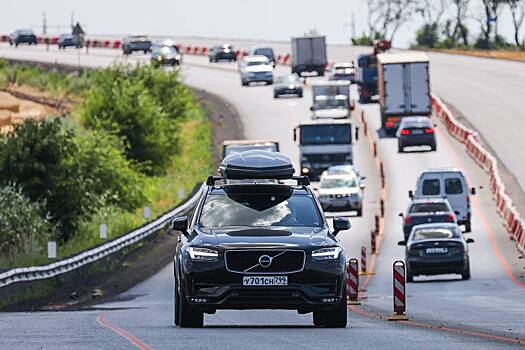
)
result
[(337, 183), (332, 104), (259, 210), (428, 207), (326, 134)]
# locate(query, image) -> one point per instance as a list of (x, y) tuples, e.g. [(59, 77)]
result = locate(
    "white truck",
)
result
[(403, 84), (322, 144), (309, 54)]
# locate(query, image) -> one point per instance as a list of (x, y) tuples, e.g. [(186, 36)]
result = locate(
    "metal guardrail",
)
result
[(91, 255)]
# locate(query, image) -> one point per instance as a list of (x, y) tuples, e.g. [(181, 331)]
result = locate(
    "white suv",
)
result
[(449, 183), (256, 69)]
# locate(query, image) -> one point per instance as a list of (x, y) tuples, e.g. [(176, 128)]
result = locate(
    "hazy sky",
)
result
[(258, 19)]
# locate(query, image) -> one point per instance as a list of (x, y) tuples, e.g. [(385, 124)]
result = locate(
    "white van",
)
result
[(451, 184)]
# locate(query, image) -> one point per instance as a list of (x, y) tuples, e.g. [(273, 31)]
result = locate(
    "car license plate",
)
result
[(417, 132), (437, 250), (264, 281)]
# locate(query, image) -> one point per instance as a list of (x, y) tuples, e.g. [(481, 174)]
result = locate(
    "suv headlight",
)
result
[(326, 253), (202, 254)]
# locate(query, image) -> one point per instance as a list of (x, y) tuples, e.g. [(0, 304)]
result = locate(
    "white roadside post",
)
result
[(181, 193), (103, 231), (51, 250), (147, 212)]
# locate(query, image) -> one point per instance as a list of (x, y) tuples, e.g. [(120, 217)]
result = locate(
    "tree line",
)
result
[(446, 23)]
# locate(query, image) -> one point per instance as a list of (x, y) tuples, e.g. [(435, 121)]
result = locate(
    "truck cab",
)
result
[(323, 143), (331, 107), (331, 89)]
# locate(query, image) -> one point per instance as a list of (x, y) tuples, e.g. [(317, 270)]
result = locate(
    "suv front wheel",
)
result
[(334, 318), (188, 316)]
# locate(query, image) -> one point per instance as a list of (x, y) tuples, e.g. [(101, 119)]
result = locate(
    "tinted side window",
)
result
[(453, 186), (431, 187)]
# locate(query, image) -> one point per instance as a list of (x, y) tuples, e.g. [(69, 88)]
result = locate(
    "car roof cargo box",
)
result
[(256, 164)]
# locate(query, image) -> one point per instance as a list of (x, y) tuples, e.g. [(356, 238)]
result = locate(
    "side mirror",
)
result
[(470, 240), (180, 224), (312, 108), (341, 224), (357, 133), (295, 134), (410, 194), (362, 186), (473, 191), (402, 243), (400, 215)]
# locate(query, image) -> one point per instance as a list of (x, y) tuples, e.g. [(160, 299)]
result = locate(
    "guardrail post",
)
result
[(399, 292), (181, 193), (147, 212), (103, 231), (352, 284), (51, 250)]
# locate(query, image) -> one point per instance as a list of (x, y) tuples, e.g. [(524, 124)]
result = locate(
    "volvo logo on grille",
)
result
[(265, 261)]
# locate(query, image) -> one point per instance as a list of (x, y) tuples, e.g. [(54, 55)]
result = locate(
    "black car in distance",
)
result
[(433, 249), (288, 85), (224, 52), (423, 210), (415, 131), (259, 244), (22, 36)]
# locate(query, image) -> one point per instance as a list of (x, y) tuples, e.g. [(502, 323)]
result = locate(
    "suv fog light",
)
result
[(328, 300), (199, 300)]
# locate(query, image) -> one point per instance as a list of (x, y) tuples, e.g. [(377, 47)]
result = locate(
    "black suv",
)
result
[(223, 52), (255, 242)]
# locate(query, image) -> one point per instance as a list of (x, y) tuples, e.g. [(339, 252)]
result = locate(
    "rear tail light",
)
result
[(429, 131), (389, 124), (451, 218), (405, 132), (408, 220)]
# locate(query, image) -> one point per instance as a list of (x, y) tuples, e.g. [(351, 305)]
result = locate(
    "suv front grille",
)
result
[(282, 261)]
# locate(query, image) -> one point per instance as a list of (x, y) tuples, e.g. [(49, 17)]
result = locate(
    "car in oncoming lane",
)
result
[(341, 192), (22, 36), (288, 85), (165, 55), (259, 246), (434, 249), (224, 52), (136, 42), (254, 69), (415, 131), (425, 211), (70, 40)]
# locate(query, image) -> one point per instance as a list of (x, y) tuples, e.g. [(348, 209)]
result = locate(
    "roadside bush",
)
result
[(42, 159), (24, 225), (428, 36), (112, 178), (125, 108)]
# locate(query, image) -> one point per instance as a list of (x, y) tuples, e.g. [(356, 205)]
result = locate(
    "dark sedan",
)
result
[(165, 56), (137, 42), (288, 85), (415, 131), (434, 249), (224, 52), (426, 210), (70, 40), (22, 36), (259, 246)]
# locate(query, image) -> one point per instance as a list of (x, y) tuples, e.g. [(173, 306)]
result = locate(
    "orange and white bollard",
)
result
[(364, 271), (373, 247), (352, 283), (399, 292)]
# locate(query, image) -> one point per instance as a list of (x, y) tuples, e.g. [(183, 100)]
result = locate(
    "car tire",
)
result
[(176, 306), (320, 73), (400, 148), (360, 212), (410, 276), (337, 317), (468, 226), (465, 275), (188, 316), (300, 94), (275, 95), (244, 83), (317, 318), (433, 148)]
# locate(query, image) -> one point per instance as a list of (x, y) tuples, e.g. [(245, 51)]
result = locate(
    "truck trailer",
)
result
[(309, 54)]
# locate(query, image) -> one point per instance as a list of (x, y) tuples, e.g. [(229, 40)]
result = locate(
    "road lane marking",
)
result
[(493, 337), (101, 319), (480, 212)]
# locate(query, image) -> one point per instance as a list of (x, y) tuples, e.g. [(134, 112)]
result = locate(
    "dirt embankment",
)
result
[(497, 54), (15, 108)]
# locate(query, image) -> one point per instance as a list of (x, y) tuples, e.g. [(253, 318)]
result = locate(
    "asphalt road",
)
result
[(486, 312)]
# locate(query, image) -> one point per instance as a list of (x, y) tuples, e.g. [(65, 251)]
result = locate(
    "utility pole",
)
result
[(72, 20), (352, 24), (44, 23)]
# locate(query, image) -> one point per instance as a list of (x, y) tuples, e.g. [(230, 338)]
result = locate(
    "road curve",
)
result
[(485, 312)]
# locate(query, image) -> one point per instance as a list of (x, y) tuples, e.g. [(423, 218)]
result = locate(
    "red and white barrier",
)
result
[(352, 283), (513, 219), (399, 292)]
